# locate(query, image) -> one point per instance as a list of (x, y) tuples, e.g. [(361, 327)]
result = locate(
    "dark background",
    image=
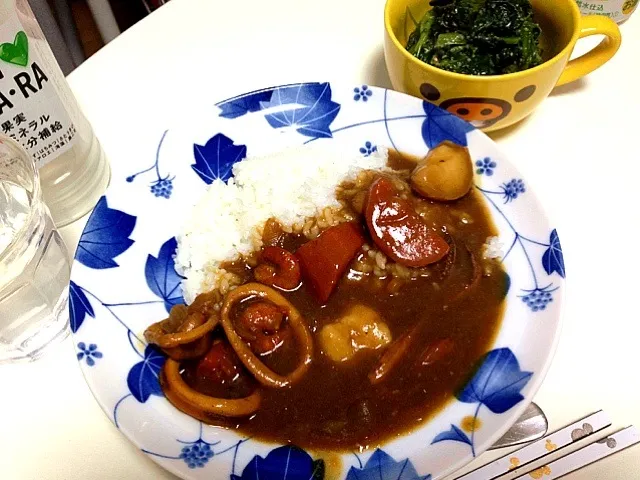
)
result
[(127, 13), (71, 30)]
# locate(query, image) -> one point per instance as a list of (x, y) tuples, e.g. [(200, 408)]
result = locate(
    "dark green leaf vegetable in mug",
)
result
[(478, 37)]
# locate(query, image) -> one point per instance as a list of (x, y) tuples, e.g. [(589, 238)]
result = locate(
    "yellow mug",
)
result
[(496, 101)]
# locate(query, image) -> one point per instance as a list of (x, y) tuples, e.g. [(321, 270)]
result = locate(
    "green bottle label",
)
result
[(31, 110)]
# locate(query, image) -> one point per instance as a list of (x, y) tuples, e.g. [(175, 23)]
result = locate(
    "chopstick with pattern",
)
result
[(542, 447), (587, 455)]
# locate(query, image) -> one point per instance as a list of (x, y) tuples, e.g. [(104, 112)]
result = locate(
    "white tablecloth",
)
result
[(578, 152)]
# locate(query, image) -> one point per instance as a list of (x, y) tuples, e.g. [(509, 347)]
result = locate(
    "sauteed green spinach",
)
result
[(478, 37)]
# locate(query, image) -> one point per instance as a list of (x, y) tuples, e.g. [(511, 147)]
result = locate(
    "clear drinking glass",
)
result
[(34, 263)]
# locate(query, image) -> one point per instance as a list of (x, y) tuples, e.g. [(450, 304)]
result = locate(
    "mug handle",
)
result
[(581, 66)]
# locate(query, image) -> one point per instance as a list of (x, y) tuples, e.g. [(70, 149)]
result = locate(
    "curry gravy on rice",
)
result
[(342, 329)]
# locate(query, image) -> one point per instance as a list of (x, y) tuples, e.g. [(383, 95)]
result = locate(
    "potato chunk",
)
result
[(360, 328)]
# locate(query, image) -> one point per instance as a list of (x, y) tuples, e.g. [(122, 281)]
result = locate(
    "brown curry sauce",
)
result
[(335, 405)]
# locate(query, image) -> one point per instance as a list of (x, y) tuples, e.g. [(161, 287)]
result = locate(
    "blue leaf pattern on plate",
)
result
[(215, 158), (455, 434), (497, 383), (142, 379), (105, 236), (161, 275), (315, 110), (283, 463), (238, 106), (79, 306), (552, 259), (381, 466), (441, 125)]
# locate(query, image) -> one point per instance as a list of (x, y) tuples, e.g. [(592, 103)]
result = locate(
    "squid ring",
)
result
[(155, 334), (260, 371), (190, 350), (201, 406)]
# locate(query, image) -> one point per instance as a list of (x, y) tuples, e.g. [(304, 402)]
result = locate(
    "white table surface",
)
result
[(579, 151)]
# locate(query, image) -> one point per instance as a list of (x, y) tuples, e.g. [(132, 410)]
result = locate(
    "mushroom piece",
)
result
[(445, 174)]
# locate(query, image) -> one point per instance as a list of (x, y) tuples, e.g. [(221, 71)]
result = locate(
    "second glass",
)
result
[(34, 262)]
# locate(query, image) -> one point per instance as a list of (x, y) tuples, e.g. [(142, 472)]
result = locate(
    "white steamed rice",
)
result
[(493, 248), (290, 186)]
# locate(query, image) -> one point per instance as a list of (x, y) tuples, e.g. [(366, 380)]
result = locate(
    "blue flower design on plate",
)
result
[(538, 298), (497, 385), (362, 93), (161, 275), (381, 466), (142, 379), (286, 463), (512, 189), (79, 306), (215, 158), (196, 454), (162, 186), (368, 149), (486, 166), (105, 236), (89, 353)]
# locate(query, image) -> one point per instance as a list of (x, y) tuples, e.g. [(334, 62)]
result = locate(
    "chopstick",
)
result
[(540, 448), (587, 455)]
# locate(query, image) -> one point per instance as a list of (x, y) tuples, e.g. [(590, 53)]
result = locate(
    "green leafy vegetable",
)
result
[(478, 37)]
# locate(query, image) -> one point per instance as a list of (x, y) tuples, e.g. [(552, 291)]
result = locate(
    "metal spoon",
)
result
[(531, 426)]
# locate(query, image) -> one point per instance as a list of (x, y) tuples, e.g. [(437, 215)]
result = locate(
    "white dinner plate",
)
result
[(123, 279)]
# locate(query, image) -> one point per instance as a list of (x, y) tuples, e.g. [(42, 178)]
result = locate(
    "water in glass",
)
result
[(34, 262)]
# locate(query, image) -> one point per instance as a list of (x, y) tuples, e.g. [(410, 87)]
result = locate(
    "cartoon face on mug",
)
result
[(478, 111)]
